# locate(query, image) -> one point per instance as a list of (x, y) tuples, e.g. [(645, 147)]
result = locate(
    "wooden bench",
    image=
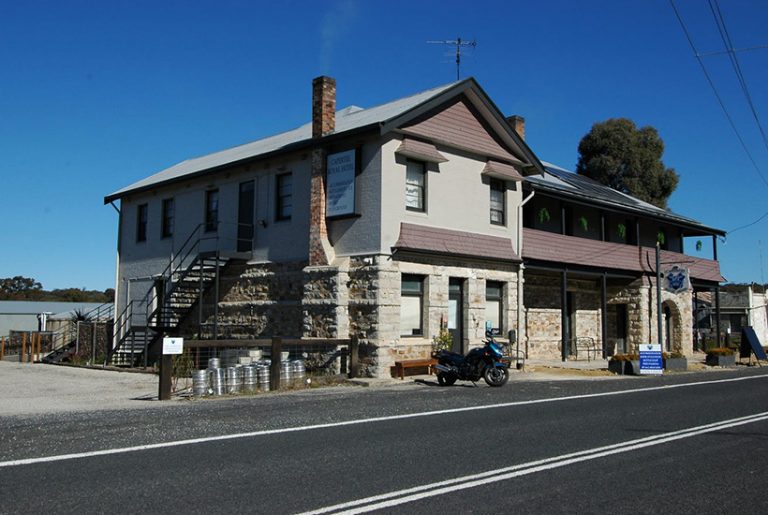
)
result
[(402, 364)]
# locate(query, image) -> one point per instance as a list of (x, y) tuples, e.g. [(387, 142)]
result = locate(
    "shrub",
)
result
[(625, 357), (720, 351), (442, 341)]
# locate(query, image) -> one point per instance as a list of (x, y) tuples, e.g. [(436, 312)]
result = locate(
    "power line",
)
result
[(721, 52), (748, 225), (714, 6), (717, 94)]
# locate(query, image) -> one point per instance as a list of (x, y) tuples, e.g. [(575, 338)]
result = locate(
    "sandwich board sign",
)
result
[(173, 345), (750, 343), (651, 359)]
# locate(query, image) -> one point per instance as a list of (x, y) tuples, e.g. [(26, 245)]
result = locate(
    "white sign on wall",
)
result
[(340, 184), (173, 345)]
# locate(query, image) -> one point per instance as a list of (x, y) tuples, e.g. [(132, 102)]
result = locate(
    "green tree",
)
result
[(19, 284), (618, 154), (25, 288)]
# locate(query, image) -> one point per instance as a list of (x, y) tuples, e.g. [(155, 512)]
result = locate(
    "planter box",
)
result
[(676, 364), (628, 368), (616, 367), (721, 361)]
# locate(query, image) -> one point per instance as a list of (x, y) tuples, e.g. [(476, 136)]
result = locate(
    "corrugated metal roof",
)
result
[(347, 119), (561, 249), (560, 180), (33, 307)]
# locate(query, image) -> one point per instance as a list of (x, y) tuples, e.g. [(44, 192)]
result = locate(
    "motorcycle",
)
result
[(487, 362)]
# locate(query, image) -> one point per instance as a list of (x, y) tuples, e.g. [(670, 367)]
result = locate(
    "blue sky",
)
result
[(98, 94)]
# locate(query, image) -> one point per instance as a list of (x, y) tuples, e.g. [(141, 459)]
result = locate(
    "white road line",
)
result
[(421, 492), (193, 441)]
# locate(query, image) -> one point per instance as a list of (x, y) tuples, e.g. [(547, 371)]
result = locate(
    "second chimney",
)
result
[(323, 106), (517, 123)]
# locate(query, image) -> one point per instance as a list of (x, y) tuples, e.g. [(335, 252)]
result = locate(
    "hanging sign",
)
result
[(340, 184), (677, 280)]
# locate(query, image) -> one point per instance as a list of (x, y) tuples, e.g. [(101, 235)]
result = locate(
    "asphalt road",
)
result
[(684, 443)]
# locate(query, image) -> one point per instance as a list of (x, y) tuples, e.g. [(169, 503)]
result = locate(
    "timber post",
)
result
[(275, 362)]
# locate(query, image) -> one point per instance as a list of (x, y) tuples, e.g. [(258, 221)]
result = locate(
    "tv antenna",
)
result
[(458, 43)]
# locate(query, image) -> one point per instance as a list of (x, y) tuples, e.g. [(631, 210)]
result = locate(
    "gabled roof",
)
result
[(385, 117), (563, 183)]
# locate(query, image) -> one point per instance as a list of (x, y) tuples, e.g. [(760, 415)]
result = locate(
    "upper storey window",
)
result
[(415, 186), (284, 199), (141, 222), (498, 207), (211, 210)]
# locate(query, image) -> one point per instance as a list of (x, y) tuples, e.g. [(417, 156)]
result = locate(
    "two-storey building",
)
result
[(387, 224)]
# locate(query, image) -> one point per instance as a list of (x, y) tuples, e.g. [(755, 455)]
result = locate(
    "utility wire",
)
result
[(717, 94), (714, 6), (748, 225), (721, 52)]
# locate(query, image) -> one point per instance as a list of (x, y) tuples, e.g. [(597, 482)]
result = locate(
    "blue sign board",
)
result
[(651, 359)]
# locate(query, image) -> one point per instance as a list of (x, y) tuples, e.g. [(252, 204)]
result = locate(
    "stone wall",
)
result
[(358, 297), (543, 328), (393, 346), (544, 317), (257, 301)]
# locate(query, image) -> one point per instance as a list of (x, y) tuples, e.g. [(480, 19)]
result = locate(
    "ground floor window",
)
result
[(493, 305), (411, 305)]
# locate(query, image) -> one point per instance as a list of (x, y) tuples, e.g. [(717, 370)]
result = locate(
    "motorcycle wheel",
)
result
[(445, 379), (496, 376)]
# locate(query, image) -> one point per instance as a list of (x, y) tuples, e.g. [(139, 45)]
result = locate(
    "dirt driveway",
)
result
[(32, 389)]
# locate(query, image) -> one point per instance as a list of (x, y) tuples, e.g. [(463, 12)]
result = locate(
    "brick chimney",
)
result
[(323, 106), (323, 122), (517, 123)]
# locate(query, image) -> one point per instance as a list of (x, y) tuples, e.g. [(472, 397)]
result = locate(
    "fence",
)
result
[(209, 367), (29, 346), (86, 342)]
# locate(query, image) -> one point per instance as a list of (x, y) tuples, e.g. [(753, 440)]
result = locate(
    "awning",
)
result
[(436, 240), (420, 150), (502, 171)]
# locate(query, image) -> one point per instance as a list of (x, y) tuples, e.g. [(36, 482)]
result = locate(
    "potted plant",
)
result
[(622, 230), (721, 357), (624, 364), (442, 341), (675, 361)]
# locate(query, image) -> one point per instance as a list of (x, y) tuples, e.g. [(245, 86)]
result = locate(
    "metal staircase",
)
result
[(190, 278)]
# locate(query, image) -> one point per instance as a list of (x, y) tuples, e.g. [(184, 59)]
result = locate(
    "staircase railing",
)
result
[(120, 330), (101, 313), (150, 307), (67, 333)]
